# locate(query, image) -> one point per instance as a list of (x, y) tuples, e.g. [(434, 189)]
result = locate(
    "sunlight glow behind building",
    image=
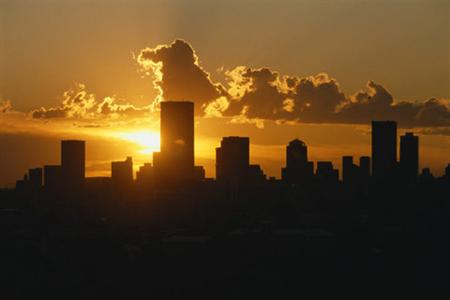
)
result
[(147, 141)]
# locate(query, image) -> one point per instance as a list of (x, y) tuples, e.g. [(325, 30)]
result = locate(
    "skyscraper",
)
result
[(256, 174), (145, 175), (296, 154), (298, 168), (122, 173), (35, 177), (326, 172), (409, 157), (175, 162), (73, 161), (199, 173), (232, 158), (364, 167), (384, 149), (349, 170), (52, 177)]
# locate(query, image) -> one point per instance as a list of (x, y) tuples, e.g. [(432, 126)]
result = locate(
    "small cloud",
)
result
[(242, 118), (78, 104), (89, 125), (436, 131), (5, 106), (288, 105), (217, 107)]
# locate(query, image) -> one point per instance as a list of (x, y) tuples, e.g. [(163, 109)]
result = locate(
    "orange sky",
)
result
[(265, 69)]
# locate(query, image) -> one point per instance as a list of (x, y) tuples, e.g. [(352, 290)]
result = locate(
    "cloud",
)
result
[(266, 95), (377, 103), (436, 131), (248, 95), (5, 106), (317, 98), (434, 112), (78, 104), (243, 118), (178, 74), (110, 107), (217, 107), (261, 93), (252, 95)]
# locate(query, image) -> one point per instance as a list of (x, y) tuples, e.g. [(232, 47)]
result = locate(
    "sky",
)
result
[(272, 70)]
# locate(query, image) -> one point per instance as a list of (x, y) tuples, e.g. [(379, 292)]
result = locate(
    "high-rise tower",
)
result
[(175, 162), (384, 149), (233, 159), (409, 156), (73, 162), (298, 168)]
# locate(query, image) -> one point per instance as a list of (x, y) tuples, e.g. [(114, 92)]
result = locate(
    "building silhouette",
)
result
[(199, 173), (175, 162), (364, 167), (117, 229), (256, 174), (384, 149), (349, 170), (122, 173), (409, 157), (355, 175), (426, 176), (52, 176), (326, 172), (298, 169), (35, 177), (296, 154), (232, 159), (73, 158), (22, 184), (144, 176)]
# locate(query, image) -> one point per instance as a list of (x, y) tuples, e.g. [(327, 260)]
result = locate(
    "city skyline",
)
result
[(172, 221), (226, 149), (392, 160), (209, 164), (400, 153), (316, 83)]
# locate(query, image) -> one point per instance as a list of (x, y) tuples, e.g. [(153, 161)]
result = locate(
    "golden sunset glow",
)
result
[(146, 141), (231, 149), (271, 88)]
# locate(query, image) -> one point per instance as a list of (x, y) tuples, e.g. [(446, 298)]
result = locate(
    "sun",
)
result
[(148, 141)]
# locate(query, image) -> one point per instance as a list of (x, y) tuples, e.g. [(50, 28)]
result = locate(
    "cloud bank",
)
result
[(253, 95), (78, 104), (247, 96)]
